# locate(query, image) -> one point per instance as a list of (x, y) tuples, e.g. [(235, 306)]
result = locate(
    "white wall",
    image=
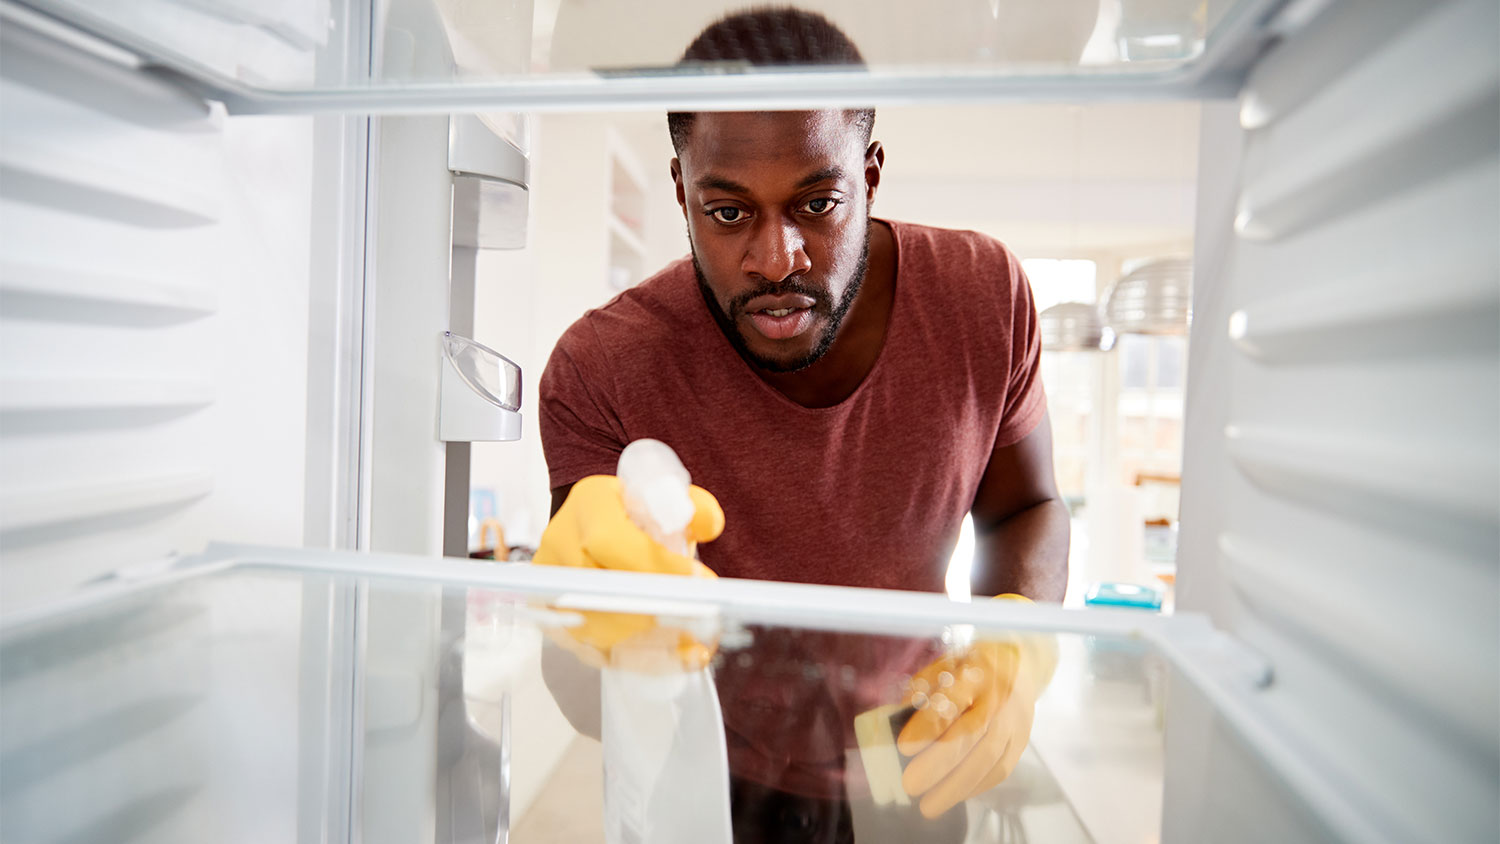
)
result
[(1055, 180)]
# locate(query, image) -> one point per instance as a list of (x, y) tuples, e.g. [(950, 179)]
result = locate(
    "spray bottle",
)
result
[(666, 766)]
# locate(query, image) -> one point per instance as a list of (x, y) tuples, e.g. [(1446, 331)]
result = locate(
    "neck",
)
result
[(856, 347)]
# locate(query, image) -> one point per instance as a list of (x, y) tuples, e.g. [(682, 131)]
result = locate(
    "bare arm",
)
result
[(1021, 523)]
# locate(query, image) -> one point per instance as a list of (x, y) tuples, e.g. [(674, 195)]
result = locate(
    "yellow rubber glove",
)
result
[(973, 718), (592, 530)]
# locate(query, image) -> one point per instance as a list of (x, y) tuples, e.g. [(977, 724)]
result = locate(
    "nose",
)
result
[(777, 251)]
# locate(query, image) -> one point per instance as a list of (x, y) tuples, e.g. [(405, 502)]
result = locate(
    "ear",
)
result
[(676, 168), (874, 160)]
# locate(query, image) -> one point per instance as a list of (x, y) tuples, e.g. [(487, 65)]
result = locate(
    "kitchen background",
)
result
[(1084, 194)]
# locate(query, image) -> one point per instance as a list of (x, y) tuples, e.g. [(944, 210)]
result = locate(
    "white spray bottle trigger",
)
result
[(655, 486)]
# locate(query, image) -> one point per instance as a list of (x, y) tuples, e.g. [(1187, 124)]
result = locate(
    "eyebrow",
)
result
[(834, 172), (712, 182), (720, 183)]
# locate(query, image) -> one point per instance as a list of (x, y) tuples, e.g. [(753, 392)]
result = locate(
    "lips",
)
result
[(782, 316), (789, 324), (780, 301)]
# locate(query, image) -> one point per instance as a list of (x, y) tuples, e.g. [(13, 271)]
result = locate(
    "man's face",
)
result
[(778, 214)]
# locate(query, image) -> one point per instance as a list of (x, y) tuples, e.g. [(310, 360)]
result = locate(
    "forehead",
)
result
[(796, 140)]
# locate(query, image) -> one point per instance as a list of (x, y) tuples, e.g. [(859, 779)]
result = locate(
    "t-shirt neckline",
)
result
[(892, 322)]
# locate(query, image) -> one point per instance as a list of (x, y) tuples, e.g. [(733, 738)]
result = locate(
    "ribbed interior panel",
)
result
[(1353, 534)]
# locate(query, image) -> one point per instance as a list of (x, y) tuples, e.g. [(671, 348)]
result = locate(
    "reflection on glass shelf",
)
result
[(267, 703), (304, 46)]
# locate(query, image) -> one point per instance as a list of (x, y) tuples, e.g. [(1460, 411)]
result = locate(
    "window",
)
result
[(1071, 378), (1058, 280), (1152, 371)]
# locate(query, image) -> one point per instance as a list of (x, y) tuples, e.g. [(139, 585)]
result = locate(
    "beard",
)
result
[(833, 313)]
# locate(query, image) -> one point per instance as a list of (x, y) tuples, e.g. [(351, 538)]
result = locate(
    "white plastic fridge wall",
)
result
[(159, 363), (154, 298), (1341, 478)]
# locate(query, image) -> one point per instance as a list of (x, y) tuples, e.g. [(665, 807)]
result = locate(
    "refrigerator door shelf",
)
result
[(476, 149), (490, 186), (489, 213), (480, 394)]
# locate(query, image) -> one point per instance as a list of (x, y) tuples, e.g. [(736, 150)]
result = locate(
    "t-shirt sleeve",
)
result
[(1025, 401), (581, 432)]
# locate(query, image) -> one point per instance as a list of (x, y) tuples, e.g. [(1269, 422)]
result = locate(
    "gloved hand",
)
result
[(592, 530), (973, 718)]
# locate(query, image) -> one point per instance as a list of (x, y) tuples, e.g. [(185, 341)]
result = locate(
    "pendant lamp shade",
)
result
[(1074, 327), (1154, 298)]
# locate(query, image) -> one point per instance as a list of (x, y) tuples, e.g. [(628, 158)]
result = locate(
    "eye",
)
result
[(727, 214), (820, 206)]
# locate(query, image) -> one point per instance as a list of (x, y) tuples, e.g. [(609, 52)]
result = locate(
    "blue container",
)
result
[(1133, 595)]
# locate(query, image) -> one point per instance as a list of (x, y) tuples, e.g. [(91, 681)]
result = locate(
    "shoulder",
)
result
[(939, 248), (632, 327), (968, 265)]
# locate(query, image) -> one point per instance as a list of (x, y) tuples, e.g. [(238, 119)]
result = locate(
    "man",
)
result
[(847, 387)]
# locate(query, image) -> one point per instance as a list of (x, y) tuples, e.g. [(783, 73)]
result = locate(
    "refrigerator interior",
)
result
[(223, 284)]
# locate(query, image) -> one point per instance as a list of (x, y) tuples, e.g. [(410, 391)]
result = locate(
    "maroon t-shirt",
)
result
[(869, 492)]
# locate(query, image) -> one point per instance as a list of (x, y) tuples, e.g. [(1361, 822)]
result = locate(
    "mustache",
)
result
[(821, 302)]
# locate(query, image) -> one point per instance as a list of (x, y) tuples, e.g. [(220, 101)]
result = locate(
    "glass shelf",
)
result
[(296, 695), (452, 55)]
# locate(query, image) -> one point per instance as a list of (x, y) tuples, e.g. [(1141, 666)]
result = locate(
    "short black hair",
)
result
[(771, 37)]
